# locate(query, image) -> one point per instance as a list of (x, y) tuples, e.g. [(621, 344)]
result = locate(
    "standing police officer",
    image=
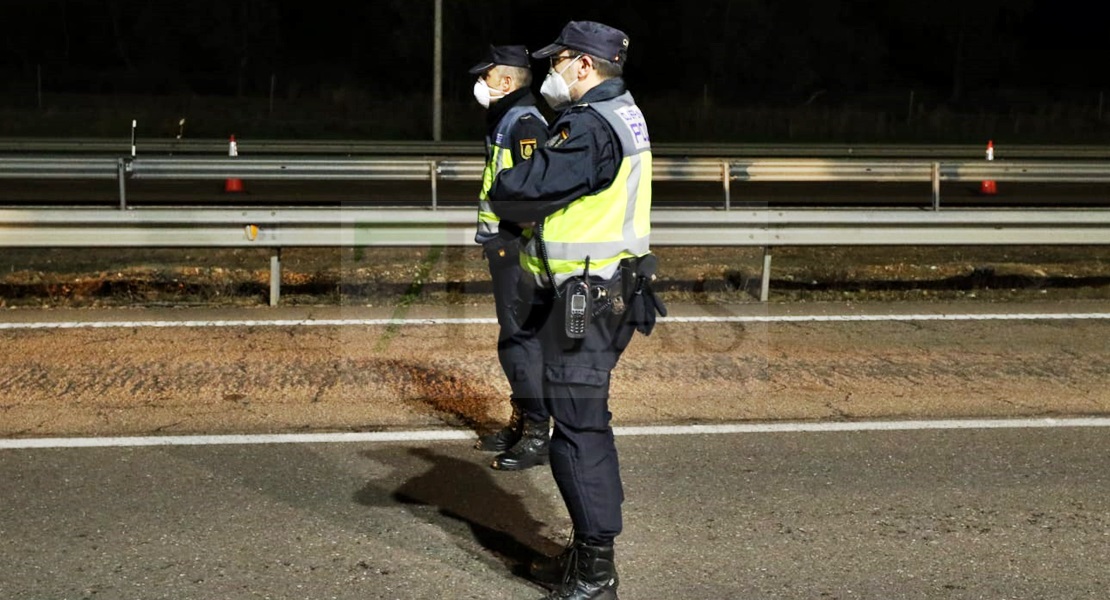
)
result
[(588, 190), (515, 129)]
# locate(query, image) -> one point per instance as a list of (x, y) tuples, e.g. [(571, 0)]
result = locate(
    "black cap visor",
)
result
[(481, 67), (549, 50)]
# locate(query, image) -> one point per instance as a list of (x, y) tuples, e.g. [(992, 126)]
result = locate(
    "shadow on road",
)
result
[(463, 499)]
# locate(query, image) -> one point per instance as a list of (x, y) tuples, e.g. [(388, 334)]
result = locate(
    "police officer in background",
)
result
[(588, 191), (515, 129)]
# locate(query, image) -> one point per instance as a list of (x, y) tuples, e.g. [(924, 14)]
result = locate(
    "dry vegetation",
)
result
[(386, 276)]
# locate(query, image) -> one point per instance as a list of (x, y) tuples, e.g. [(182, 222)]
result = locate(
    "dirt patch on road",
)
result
[(136, 381)]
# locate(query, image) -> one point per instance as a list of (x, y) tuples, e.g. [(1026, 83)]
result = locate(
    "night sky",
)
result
[(742, 52)]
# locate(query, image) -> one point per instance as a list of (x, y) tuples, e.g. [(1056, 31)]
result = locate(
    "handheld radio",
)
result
[(578, 305)]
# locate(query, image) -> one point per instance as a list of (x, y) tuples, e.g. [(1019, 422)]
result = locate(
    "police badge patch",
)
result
[(527, 147)]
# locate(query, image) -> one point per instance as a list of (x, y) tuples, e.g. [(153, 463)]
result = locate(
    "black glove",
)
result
[(644, 306)]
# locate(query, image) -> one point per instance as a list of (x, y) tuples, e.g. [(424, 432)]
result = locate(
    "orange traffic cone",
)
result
[(987, 187), (234, 185)]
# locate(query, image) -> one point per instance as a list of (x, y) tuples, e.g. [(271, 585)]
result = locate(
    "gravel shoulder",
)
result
[(139, 380), (135, 380)]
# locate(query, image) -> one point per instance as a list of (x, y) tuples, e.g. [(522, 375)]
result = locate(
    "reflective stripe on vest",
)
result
[(609, 225), (498, 156)]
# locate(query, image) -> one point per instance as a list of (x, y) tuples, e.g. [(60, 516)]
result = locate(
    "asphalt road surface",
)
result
[(962, 513), (1017, 513)]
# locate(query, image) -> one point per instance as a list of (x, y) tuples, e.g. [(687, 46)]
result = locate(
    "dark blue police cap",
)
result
[(592, 38), (512, 56)]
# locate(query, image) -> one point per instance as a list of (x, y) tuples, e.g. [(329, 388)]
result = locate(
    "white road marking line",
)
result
[(247, 323), (492, 321), (918, 317), (1038, 423), (437, 435)]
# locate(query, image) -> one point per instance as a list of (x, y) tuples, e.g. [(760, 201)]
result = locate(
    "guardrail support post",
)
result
[(936, 186), (120, 174), (727, 171), (435, 184), (765, 283), (275, 276)]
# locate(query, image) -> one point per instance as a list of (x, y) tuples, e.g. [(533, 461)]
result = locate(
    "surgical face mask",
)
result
[(484, 94), (555, 89)]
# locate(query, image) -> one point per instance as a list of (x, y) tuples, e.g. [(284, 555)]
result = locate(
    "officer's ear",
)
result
[(584, 65)]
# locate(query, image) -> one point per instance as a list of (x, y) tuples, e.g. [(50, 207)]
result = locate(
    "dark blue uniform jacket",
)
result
[(528, 128), (581, 157)]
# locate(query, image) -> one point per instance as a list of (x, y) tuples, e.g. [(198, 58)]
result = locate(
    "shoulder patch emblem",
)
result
[(634, 119), (527, 147)]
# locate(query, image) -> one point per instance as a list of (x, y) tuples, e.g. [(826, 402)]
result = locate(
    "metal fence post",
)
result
[(435, 184), (936, 186), (765, 283), (726, 168), (120, 174), (275, 276)]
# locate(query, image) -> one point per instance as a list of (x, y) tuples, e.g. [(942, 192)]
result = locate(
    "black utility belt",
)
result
[(600, 289)]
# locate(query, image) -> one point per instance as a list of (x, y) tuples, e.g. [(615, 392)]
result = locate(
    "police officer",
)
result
[(515, 129), (588, 191)]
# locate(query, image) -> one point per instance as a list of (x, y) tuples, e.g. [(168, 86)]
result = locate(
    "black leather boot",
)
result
[(529, 451), (504, 438), (550, 570), (590, 574)]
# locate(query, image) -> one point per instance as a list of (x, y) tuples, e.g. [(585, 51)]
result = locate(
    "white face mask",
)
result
[(484, 93), (555, 89)]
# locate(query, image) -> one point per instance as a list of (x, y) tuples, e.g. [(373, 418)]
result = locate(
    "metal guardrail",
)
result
[(723, 170), (278, 228), (275, 229), (122, 146)]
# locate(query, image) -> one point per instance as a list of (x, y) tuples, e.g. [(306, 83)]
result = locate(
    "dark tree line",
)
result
[(791, 51)]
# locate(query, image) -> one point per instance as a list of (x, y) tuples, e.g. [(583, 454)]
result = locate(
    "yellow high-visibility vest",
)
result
[(609, 225)]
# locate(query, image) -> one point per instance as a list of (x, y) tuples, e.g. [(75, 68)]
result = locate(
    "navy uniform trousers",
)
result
[(520, 359), (576, 392)]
